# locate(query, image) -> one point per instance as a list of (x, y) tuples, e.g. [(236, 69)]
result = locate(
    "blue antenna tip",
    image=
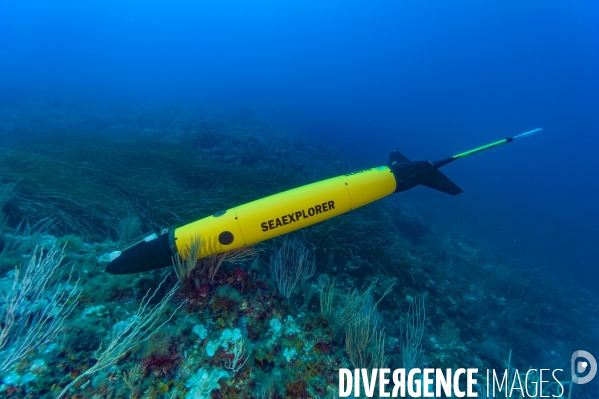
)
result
[(528, 133)]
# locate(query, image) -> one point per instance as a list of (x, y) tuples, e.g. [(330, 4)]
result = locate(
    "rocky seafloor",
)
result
[(77, 184)]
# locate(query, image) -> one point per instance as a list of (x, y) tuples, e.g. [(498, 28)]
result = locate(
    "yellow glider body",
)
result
[(290, 210), (285, 212)]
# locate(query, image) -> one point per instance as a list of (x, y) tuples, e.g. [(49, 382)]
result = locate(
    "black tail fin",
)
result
[(435, 179), (397, 157)]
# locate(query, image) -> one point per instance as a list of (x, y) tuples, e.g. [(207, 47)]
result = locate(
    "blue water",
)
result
[(428, 78)]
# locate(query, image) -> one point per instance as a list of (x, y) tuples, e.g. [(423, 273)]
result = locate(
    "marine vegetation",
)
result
[(380, 286)]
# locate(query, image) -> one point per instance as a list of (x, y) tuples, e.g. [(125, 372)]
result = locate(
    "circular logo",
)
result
[(582, 366)]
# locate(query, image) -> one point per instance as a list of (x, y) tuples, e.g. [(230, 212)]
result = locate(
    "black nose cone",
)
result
[(143, 256)]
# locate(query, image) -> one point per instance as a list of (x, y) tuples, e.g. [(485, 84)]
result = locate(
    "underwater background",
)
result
[(120, 119)]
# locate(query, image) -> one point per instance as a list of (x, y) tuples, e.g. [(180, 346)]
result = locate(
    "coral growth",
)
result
[(237, 333)]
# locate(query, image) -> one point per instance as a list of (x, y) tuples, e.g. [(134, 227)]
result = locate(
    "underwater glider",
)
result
[(290, 210)]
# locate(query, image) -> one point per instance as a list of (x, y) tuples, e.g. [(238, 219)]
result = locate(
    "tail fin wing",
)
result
[(436, 180), (397, 157)]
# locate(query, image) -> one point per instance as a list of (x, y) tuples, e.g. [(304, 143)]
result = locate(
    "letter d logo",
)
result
[(581, 367)]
